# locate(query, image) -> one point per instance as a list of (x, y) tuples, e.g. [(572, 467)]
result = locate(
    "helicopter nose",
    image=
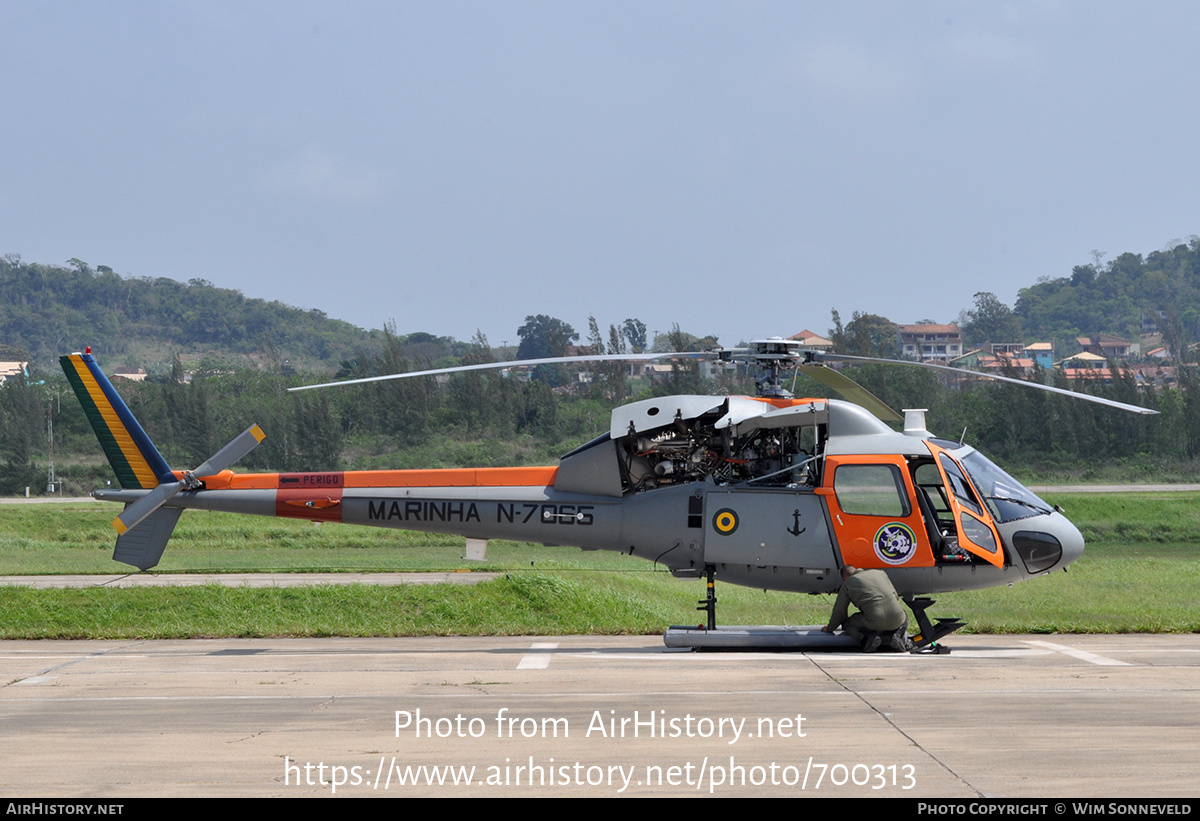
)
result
[(1055, 543), (1070, 538)]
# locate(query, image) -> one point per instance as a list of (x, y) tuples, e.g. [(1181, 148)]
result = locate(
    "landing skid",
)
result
[(928, 634), (758, 637), (807, 637)]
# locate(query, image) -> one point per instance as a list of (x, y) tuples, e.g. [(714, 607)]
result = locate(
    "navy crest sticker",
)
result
[(895, 543)]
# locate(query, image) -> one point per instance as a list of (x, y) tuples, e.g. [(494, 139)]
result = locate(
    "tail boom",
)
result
[(488, 503)]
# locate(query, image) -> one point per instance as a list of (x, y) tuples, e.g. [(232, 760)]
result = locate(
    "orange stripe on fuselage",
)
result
[(784, 403), (454, 477)]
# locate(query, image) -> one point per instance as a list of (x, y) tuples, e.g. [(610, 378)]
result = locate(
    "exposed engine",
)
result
[(711, 446)]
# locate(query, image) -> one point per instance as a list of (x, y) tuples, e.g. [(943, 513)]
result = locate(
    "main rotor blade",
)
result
[(850, 390), (1035, 385), (552, 360)]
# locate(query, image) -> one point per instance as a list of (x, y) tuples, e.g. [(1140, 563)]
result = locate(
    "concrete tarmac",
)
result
[(1002, 716)]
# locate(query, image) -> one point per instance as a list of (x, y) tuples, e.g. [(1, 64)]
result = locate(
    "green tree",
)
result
[(864, 335), (317, 436), (22, 415), (634, 331), (472, 396), (1083, 275), (544, 337), (402, 406), (991, 321), (685, 373)]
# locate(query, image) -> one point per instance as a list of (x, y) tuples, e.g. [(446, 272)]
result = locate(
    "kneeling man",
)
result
[(871, 591)]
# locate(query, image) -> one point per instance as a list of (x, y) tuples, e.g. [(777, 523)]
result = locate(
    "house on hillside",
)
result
[(1004, 348), (1153, 320), (1106, 346), (1040, 352), (999, 363), (131, 374), (968, 360), (1084, 359), (1158, 376), (980, 360), (811, 340), (1104, 374), (930, 342), (8, 369)]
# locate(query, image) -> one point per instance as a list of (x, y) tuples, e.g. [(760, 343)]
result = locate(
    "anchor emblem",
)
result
[(795, 529)]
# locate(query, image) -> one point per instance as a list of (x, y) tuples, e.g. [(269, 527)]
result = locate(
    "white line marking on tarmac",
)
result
[(537, 661), (783, 658), (1082, 655)]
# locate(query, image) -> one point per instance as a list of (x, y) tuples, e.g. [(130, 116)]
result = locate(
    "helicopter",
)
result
[(771, 491)]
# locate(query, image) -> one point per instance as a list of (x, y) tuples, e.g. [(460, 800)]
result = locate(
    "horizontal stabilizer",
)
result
[(142, 545)]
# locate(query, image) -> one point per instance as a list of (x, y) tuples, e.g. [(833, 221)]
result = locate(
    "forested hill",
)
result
[(142, 322), (47, 310), (1115, 297)]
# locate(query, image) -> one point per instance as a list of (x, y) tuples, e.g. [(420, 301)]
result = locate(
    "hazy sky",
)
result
[(738, 168)]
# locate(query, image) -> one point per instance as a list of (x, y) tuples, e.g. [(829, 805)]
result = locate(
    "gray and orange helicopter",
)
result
[(771, 492)]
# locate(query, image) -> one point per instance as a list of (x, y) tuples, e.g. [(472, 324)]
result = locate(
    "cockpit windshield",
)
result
[(1006, 498)]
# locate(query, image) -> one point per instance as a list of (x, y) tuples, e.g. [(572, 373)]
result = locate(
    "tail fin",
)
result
[(133, 457), (145, 525)]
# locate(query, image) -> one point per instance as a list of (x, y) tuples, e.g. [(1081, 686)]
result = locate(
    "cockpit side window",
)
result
[(959, 485), (974, 528), (871, 490)]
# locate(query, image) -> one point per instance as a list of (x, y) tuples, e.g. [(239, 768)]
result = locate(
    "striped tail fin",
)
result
[(133, 457), (145, 525)]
